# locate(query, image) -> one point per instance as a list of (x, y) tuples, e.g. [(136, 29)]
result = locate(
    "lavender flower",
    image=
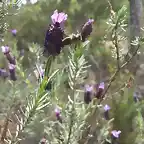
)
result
[(59, 18), (106, 111), (14, 31), (115, 133), (6, 51), (4, 73), (86, 29), (88, 93), (58, 116), (100, 90), (54, 35), (12, 72)]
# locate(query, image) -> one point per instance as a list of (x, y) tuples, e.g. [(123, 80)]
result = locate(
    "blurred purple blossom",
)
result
[(57, 113), (100, 89), (88, 93), (59, 18), (14, 31), (10, 58), (5, 49), (116, 133), (88, 87), (101, 85), (12, 72), (106, 111), (107, 107), (87, 29), (4, 73)]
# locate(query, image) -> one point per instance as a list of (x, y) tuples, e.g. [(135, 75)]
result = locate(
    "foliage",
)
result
[(28, 109)]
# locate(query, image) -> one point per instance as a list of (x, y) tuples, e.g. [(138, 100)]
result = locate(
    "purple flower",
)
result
[(10, 58), (53, 40), (115, 133), (58, 116), (12, 72), (14, 31), (106, 107), (4, 73), (5, 49), (100, 90), (88, 94), (106, 112), (59, 18), (87, 29)]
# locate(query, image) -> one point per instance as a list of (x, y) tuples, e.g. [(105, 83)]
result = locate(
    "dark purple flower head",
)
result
[(115, 133), (14, 31), (59, 18), (106, 112), (88, 93), (100, 90), (107, 107), (12, 72), (87, 29), (4, 73), (5, 49), (53, 40), (10, 58)]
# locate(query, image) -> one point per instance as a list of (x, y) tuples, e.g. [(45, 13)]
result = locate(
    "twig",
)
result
[(116, 45), (117, 71)]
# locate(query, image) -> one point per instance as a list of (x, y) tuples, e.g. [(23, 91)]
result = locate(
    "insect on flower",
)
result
[(54, 34), (88, 93)]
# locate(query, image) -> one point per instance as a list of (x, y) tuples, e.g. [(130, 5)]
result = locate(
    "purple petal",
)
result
[(57, 111), (14, 31), (5, 49), (107, 107), (62, 17), (12, 66), (116, 133), (54, 16), (90, 21), (88, 88), (101, 85), (59, 17), (41, 70)]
